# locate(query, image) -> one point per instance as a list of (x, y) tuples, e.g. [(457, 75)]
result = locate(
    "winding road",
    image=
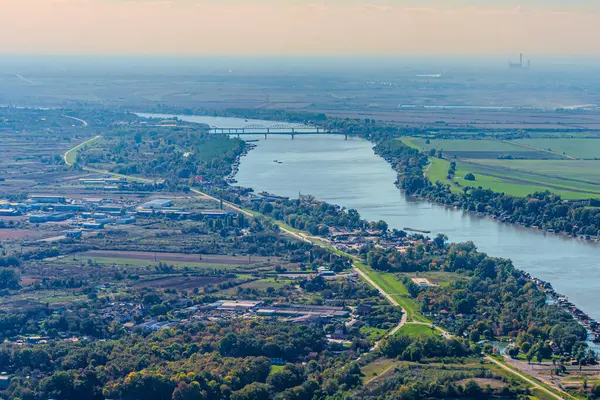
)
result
[(84, 123)]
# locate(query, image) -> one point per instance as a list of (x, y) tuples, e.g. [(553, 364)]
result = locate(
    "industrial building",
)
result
[(48, 199), (520, 64), (54, 217), (236, 305), (297, 310), (213, 214), (157, 204), (71, 207)]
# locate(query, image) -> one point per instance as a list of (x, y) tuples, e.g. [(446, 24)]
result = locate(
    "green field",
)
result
[(438, 277), (570, 178), (478, 148), (462, 145), (574, 147), (132, 262), (71, 155), (263, 284), (392, 285), (417, 330), (378, 367)]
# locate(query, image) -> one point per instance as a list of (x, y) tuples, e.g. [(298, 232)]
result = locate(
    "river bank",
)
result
[(349, 173), (540, 210)]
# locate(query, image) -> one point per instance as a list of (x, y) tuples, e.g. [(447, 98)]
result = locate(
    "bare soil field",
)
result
[(19, 234), (177, 257)]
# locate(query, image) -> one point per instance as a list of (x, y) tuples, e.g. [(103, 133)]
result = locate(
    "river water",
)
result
[(348, 173)]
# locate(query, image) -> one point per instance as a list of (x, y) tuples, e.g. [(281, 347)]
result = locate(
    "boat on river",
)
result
[(416, 230)]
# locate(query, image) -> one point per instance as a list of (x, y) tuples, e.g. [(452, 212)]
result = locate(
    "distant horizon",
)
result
[(300, 28)]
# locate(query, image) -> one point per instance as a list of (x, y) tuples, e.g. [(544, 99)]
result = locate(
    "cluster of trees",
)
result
[(9, 279), (411, 383), (179, 154), (312, 216), (274, 341), (499, 300), (492, 299), (421, 348), (215, 361), (10, 261)]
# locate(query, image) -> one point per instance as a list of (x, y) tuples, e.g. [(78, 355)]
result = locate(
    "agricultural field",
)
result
[(127, 257), (380, 368), (479, 149), (580, 148), (537, 165), (392, 284)]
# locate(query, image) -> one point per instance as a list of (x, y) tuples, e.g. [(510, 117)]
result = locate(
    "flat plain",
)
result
[(517, 168)]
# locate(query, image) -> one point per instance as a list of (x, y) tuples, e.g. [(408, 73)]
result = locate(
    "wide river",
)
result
[(348, 173)]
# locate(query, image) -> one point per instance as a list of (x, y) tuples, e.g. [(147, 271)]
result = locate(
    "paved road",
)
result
[(84, 123), (78, 147)]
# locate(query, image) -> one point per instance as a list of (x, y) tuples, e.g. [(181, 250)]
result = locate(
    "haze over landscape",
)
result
[(297, 27), (299, 200)]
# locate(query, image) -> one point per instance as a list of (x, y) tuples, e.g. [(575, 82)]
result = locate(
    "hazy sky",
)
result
[(296, 27)]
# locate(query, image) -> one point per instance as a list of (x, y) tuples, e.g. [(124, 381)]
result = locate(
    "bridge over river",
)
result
[(275, 129)]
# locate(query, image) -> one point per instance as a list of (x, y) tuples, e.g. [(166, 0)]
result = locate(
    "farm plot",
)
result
[(478, 148), (587, 149), (515, 178), (139, 258), (571, 179), (181, 282)]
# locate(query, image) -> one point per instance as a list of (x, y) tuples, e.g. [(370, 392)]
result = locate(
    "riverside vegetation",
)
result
[(88, 352)]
